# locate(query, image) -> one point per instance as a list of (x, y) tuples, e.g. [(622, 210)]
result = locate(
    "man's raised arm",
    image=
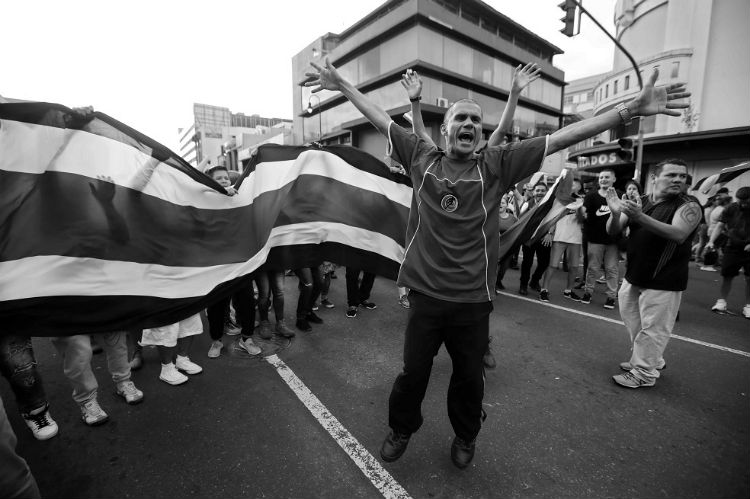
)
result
[(651, 100), (329, 79), (522, 77)]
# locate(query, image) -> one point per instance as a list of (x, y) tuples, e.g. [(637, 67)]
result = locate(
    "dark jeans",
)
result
[(464, 328), (16, 480), (356, 291), (310, 283), (542, 262), (244, 306), (502, 267), (270, 281), (18, 365)]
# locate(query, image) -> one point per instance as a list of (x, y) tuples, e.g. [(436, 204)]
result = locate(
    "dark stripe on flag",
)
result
[(311, 255)]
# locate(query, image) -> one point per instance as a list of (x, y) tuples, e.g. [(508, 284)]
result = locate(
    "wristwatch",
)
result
[(624, 113), (416, 99)]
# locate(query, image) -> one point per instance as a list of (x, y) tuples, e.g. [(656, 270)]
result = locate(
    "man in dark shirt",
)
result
[(452, 244), (735, 222), (661, 227)]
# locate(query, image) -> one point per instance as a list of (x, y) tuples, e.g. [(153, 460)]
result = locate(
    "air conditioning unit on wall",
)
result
[(442, 102)]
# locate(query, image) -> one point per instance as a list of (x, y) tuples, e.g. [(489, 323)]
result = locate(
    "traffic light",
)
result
[(569, 19), (626, 152)]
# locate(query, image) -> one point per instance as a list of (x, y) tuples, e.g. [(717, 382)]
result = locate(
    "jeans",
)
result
[(76, 353), (464, 328), (244, 306), (16, 480), (357, 292), (18, 365), (542, 261), (649, 316), (268, 282), (599, 254), (310, 284)]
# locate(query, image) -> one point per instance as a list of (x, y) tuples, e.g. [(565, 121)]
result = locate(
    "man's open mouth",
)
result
[(466, 137)]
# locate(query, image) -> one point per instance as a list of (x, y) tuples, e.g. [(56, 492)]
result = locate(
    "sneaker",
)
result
[(523, 291), (231, 328), (609, 304), (41, 424), (129, 392), (544, 295), (368, 305), (721, 306), (249, 346), (92, 413), (627, 366), (708, 268), (315, 307), (187, 366), (137, 361), (586, 298), (571, 295), (313, 317), (351, 311), (394, 446), (404, 301), (215, 350), (327, 303), (170, 375), (462, 452), (283, 330), (746, 311), (535, 286), (264, 330), (303, 325), (630, 380), (602, 280)]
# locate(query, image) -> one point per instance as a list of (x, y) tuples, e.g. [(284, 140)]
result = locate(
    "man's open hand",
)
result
[(659, 100), (524, 75), (325, 78), (412, 83)]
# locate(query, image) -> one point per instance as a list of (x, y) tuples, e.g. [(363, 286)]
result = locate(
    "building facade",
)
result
[(460, 48), (703, 43), (219, 137)]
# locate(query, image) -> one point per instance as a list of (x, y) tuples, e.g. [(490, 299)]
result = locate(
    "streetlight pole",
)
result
[(320, 116)]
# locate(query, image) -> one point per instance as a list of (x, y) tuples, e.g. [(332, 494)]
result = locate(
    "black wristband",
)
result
[(416, 100)]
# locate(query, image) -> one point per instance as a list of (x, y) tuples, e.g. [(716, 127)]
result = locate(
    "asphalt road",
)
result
[(557, 427)]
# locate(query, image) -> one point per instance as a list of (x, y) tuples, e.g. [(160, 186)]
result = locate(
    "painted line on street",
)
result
[(615, 321), (378, 476)]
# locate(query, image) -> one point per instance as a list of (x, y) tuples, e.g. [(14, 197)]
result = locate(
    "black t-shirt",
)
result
[(737, 226), (595, 223)]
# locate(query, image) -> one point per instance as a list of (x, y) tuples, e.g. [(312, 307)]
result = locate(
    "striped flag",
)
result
[(534, 224), (80, 254)]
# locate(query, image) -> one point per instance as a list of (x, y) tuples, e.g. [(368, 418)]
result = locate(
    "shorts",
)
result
[(734, 260), (166, 336)]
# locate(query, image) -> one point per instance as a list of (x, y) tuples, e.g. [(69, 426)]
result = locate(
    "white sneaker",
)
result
[(708, 268), (746, 311), (41, 424), (129, 392), (92, 413), (249, 346), (215, 349), (720, 306), (187, 366), (170, 374)]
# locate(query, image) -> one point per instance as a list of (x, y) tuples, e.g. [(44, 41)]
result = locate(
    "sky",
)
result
[(145, 62)]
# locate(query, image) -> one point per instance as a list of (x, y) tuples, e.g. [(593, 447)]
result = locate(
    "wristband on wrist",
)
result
[(624, 113), (416, 99)]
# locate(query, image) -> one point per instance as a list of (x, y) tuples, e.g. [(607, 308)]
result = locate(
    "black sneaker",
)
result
[(368, 305), (313, 317), (394, 446), (462, 452), (303, 325), (535, 286), (523, 291), (586, 298), (571, 295), (351, 311), (544, 295), (609, 304)]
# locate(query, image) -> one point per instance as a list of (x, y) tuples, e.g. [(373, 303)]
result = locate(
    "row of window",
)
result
[(603, 92)]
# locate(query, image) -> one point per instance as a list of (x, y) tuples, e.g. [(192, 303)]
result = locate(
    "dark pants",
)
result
[(244, 306), (310, 283), (16, 480), (269, 282), (585, 248), (502, 267), (18, 366), (356, 291), (542, 262), (464, 328)]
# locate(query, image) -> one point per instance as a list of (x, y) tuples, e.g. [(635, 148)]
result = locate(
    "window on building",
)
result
[(369, 64), (626, 85), (577, 98), (614, 87), (675, 69), (482, 67), (606, 90), (568, 99)]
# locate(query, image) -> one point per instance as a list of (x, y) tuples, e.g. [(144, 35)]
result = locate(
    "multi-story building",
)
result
[(460, 48), (219, 137), (703, 43)]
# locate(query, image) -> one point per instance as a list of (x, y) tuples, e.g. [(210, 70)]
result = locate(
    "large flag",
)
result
[(534, 224), (705, 185), (102, 228)]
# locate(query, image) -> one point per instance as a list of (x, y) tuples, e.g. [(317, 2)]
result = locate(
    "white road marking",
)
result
[(380, 478), (615, 321)]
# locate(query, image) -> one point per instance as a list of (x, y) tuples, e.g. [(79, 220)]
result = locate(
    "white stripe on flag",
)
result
[(69, 276)]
